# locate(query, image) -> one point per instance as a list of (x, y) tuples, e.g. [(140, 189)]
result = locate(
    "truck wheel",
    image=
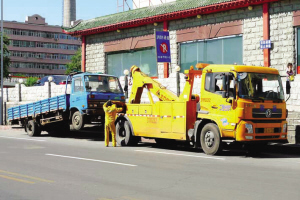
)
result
[(33, 129), (77, 121), (210, 139), (124, 135)]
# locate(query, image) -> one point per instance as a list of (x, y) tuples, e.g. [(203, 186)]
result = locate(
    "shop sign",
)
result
[(265, 44), (163, 50)]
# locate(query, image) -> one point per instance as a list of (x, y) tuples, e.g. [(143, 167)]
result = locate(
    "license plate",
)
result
[(269, 130)]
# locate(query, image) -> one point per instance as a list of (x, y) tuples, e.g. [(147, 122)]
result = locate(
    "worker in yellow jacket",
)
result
[(110, 110)]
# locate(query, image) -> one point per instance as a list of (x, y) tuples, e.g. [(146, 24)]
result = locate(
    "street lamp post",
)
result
[(1, 99)]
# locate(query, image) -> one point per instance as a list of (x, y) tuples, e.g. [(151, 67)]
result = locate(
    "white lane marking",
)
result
[(87, 159), (23, 139), (177, 154)]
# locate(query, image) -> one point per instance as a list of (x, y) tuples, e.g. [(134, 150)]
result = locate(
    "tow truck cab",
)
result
[(247, 103)]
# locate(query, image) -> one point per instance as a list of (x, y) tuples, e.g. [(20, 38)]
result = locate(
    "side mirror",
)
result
[(234, 86), (225, 85), (225, 94), (87, 86), (126, 88), (288, 87)]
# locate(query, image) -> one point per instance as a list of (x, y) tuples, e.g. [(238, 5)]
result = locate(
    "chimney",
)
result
[(69, 12)]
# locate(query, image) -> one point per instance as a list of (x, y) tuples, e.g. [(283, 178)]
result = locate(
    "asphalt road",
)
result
[(80, 167)]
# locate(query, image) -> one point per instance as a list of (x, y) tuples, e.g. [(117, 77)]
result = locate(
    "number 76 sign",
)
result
[(162, 41)]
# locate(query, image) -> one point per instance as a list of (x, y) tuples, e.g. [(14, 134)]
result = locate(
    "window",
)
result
[(227, 50), (144, 59), (78, 87), (214, 83)]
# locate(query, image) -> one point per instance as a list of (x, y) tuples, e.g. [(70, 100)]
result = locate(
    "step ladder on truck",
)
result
[(84, 105), (243, 104)]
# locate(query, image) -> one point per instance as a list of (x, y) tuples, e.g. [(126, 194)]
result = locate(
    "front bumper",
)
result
[(262, 131)]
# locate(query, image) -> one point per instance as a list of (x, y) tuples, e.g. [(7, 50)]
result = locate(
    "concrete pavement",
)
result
[(82, 168)]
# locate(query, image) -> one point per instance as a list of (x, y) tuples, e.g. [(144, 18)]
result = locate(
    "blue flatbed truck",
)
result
[(89, 91)]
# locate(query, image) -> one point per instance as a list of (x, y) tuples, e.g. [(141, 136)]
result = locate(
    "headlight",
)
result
[(284, 128), (91, 105), (249, 128), (95, 105)]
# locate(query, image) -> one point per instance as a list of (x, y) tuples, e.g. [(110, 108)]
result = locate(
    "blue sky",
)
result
[(52, 9)]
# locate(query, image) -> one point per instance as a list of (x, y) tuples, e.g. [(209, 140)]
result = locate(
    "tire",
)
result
[(33, 129), (77, 121), (124, 135), (210, 139)]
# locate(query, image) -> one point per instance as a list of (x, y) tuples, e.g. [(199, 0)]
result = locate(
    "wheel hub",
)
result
[(29, 127), (76, 120), (209, 138), (122, 133)]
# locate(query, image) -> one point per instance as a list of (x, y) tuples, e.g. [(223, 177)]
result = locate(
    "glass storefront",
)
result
[(145, 59), (227, 50)]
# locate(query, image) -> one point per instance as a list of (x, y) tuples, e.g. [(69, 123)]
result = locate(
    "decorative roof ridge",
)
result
[(164, 12)]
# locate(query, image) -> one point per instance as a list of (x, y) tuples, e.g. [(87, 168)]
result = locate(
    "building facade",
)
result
[(38, 49), (216, 32)]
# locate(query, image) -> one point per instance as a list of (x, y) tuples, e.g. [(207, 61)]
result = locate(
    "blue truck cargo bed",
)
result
[(44, 106)]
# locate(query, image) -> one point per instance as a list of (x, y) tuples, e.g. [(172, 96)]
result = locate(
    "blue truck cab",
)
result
[(84, 105), (89, 92)]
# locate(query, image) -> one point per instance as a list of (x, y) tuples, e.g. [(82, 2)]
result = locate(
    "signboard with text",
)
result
[(162, 41), (265, 44)]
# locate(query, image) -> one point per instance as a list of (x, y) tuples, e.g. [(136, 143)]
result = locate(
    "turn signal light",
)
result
[(91, 96)]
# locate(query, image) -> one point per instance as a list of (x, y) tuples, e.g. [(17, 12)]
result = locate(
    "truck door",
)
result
[(221, 109), (78, 98)]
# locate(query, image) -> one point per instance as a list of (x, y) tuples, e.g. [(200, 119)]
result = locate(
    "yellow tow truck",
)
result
[(237, 104)]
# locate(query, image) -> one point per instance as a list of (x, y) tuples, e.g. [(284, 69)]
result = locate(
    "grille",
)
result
[(258, 113), (98, 102), (262, 130)]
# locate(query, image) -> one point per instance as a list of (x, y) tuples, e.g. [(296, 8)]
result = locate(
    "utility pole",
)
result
[(1, 99)]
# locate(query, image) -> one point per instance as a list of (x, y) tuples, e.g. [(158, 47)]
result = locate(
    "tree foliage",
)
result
[(6, 59), (30, 81), (75, 64)]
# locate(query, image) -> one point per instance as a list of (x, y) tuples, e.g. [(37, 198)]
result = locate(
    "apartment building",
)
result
[(38, 49)]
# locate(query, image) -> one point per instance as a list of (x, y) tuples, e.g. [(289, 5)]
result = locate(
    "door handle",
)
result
[(214, 107)]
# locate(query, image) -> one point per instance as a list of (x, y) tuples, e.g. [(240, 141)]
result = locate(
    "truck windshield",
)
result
[(260, 86), (98, 83)]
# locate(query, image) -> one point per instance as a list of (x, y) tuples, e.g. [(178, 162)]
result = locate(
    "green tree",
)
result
[(31, 81), (75, 64), (6, 59)]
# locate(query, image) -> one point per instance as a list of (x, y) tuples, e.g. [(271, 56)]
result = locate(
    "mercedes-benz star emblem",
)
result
[(268, 113)]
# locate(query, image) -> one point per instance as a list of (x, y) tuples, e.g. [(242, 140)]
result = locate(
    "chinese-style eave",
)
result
[(171, 16)]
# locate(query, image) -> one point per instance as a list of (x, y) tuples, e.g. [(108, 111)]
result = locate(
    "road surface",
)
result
[(80, 167)]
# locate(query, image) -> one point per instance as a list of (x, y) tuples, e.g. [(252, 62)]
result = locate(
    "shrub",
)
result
[(31, 81)]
